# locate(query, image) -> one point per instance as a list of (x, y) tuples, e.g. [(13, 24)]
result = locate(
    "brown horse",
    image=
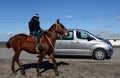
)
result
[(19, 42)]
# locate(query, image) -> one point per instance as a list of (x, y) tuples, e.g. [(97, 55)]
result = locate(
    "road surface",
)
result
[(8, 53)]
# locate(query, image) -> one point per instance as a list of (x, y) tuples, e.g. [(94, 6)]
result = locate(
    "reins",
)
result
[(50, 42), (57, 27)]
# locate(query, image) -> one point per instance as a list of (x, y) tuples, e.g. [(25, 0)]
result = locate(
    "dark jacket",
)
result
[(34, 25)]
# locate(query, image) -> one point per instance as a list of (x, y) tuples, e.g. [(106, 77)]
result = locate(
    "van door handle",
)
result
[(74, 42)]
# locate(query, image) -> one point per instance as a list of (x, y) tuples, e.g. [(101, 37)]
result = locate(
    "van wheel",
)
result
[(99, 54)]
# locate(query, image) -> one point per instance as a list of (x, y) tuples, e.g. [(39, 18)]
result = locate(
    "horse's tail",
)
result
[(8, 43)]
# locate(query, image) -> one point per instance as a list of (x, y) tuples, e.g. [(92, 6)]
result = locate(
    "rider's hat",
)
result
[(36, 15)]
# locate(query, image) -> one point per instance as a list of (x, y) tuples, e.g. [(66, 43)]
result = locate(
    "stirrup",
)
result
[(39, 47)]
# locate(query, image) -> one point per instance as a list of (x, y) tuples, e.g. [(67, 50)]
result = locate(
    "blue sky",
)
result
[(96, 16)]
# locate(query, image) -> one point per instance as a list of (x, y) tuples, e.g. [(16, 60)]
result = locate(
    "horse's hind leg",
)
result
[(16, 59), (21, 67), (55, 65), (13, 64)]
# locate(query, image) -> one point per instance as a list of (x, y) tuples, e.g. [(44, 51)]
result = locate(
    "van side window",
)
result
[(69, 37), (82, 35)]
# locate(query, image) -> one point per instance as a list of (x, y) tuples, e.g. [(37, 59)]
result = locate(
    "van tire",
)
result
[(99, 54)]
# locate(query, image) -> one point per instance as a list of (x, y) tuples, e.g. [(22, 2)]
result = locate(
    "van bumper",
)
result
[(109, 53)]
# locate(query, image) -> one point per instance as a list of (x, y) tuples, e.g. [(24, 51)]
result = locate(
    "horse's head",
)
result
[(60, 28)]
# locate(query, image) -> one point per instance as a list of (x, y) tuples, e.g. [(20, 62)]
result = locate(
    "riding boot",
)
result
[(35, 37), (39, 43)]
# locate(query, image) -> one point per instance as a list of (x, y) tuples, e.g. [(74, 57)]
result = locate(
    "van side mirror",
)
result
[(90, 38)]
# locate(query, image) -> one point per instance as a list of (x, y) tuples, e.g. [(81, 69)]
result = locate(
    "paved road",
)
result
[(116, 55), (8, 53)]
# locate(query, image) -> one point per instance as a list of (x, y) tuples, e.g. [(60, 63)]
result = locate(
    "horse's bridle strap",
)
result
[(50, 42)]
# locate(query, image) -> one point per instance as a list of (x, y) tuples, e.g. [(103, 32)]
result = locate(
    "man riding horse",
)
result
[(19, 43), (35, 29)]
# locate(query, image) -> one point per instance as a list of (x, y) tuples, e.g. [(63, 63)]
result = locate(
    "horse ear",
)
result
[(58, 21)]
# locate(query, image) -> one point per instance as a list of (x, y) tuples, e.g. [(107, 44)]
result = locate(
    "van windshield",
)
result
[(82, 35), (90, 33)]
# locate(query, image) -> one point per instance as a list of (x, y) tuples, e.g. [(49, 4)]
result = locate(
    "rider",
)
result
[(34, 27)]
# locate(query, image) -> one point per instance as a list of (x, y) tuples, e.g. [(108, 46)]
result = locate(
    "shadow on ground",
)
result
[(46, 65), (74, 57)]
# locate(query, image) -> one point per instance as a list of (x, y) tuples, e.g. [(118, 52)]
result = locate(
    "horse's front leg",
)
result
[(55, 65), (39, 62)]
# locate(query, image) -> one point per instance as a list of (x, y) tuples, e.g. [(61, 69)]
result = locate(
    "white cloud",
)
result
[(118, 17), (97, 21), (69, 17), (6, 36), (106, 34), (113, 24)]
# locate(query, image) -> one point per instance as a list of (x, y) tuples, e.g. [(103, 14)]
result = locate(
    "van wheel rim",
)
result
[(99, 55)]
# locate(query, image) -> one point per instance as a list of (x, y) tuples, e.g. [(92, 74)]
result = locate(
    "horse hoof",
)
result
[(39, 74), (57, 74), (38, 56), (14, 73), (22, 72)]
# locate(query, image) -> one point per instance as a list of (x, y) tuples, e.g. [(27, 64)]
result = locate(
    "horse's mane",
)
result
[(54, 24), (51, 27)]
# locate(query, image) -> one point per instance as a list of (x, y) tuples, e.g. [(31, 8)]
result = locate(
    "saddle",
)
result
[(30, 39), (34, 40)]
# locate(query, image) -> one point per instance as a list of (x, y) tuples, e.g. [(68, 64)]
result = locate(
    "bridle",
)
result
[(57, 29)]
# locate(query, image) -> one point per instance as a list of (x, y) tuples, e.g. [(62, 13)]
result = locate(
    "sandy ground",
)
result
[(67, 69)]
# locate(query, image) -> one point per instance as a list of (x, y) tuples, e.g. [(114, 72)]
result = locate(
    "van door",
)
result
[(84, 45), (64, 46)]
